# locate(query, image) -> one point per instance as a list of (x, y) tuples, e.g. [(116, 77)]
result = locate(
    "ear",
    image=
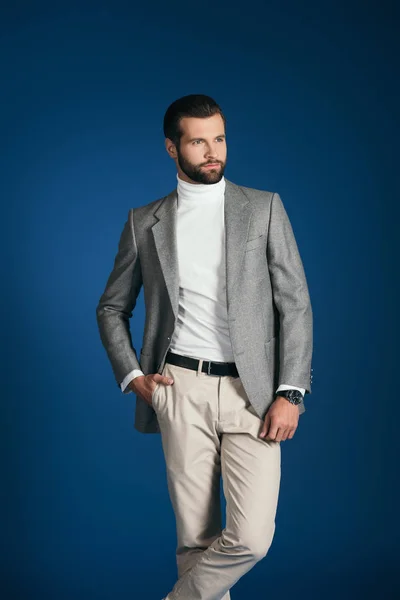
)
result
[(170, 148)]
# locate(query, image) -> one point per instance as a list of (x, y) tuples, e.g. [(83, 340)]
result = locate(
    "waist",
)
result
[(218, 369)]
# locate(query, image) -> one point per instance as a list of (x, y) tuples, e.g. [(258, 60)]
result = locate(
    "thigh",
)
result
[(191, 448), (251, 469), (251, 472)]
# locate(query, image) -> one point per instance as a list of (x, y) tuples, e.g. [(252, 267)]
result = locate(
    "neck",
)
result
[(188, 190)]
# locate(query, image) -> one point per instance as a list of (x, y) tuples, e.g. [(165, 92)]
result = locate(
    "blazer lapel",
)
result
[(237, 221), (164, 232), (237, 213)]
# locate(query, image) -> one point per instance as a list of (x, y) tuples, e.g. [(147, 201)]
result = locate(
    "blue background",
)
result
[(309, 92)]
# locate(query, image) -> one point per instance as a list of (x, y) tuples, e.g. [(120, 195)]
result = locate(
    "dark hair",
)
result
[(193, 105)]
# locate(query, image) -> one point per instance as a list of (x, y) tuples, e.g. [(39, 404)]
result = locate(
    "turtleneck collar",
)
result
[(199, 191)]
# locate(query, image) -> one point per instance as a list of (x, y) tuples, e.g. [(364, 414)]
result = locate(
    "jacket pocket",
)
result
[(255, 243)]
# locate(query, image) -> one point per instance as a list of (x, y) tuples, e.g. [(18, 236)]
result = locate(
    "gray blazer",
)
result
[(269, 309)]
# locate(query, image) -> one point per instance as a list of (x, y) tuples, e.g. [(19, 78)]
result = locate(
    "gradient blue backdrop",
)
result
[(309, 92)]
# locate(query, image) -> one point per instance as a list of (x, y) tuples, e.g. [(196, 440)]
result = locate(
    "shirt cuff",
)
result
[(131, 375), (285, 386)]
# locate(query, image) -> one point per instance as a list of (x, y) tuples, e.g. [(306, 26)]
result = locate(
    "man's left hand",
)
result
[(281, 420)]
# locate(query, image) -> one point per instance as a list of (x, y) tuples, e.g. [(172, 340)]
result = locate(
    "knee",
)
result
[(258, 543), (255, 547), (258, 549)]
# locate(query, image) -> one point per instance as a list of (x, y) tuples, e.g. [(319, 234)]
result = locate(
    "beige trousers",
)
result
[(208, 428)]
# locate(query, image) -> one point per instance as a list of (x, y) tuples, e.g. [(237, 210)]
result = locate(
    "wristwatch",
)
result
[(294, 396)]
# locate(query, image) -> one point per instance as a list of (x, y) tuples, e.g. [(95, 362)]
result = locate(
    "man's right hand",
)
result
[(144, 385)]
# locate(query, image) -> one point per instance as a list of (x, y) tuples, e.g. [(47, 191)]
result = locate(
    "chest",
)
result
[(201, 240)]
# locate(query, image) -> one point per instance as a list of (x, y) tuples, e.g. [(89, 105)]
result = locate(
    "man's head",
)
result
[(194, 128)]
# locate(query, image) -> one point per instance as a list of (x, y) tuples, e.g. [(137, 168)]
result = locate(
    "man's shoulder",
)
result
[(251, 193), (150, 207), (255, 195)]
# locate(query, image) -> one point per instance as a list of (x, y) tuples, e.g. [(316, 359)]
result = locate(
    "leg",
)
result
[(192, 450), (251, 479)]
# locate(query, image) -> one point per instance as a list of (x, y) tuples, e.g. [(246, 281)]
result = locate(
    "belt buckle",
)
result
[(209, 368)]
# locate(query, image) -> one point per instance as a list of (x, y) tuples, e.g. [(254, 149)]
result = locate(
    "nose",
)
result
[(211, 154)]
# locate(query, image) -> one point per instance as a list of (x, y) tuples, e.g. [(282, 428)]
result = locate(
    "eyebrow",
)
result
[(200, 138)]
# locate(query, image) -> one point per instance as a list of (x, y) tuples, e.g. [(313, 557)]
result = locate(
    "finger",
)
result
[(282, 434), (273, 430), (167, 380), (265, 427)]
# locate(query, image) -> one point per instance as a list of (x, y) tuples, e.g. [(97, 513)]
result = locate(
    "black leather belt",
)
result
[(209, 367)]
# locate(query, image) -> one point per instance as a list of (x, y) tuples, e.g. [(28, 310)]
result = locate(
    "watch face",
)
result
[(295, 395)]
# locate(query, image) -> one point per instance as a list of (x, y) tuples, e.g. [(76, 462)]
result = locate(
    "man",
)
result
[(226, 355)]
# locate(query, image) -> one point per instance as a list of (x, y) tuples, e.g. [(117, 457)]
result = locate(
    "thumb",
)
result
[(158, 378)]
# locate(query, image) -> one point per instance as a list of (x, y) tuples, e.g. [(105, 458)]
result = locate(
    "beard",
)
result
[(197, 173)]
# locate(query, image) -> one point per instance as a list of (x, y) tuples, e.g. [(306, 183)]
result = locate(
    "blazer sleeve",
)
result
[(292, 300), (117, 302)]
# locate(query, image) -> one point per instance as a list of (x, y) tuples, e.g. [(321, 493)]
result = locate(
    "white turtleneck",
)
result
[(202, 325)]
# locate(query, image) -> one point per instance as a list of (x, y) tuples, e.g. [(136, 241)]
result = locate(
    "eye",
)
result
[(195, 141)]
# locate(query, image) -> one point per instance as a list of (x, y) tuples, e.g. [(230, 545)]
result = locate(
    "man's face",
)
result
[(202, 143)]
